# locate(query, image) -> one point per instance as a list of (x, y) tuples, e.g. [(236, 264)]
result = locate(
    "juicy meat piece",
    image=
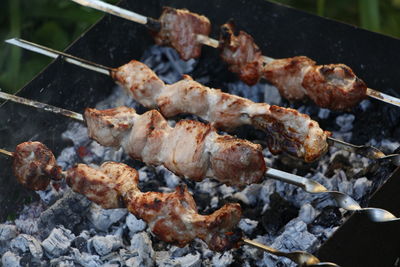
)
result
[(95, 185), (287, 130), (191, 149), (172, 217), (334, 86), (241, 54), (179, 29), (287, 75), (111, 125), (34, 165)]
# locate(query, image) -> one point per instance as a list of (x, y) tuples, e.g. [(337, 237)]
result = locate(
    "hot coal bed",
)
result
[(65, 229)]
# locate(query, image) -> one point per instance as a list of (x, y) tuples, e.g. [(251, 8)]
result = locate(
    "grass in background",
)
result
[(56, 23)]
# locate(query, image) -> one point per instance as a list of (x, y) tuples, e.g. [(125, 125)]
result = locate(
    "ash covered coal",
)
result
[(65, 229)]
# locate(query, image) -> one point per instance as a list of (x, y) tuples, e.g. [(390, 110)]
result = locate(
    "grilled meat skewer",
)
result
[(333, 86), (365, 151), (172, 217), (191, 149)]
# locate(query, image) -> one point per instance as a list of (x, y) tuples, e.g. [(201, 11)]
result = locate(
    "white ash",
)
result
[(222, 259), (7, 232), (24, 243), (103, 245), (134, 224), (345, 122), (247, 225), (58, 242), (102, 219), (323, 113), (142, 244), (10, 259), (94, 227)]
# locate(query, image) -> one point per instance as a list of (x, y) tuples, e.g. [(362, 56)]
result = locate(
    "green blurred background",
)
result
[(56, 23)]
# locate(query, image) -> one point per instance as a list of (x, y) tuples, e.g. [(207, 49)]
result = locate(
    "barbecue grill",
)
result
[(280, 32)]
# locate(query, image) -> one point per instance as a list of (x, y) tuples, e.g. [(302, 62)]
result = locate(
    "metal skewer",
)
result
[(366, 151), (205, 40), (302, 258), (342, 200)]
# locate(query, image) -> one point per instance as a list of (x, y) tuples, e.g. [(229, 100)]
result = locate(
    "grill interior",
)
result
[(280, 32)]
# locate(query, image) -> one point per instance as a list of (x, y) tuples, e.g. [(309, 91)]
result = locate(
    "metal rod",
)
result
[(342, 200), (206, 40), (43, 106), (114, 10), (54, 54), (5, 152), (366, 151)]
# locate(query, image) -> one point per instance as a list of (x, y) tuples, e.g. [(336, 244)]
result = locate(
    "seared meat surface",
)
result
[(179, 29), (332, 86), (172, 217), (191, 149), (241, 54), (34, 165), (287, 130)]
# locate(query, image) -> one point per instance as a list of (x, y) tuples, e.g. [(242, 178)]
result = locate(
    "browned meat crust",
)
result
[(334, 86), (172, 217), (191, 149), (179, 29), (34, 165), (287, 75), (287, 129), (241, 54)]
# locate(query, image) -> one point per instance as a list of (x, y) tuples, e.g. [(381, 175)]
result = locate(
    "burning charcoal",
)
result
[(58, 241), (179, 252), (361, 187), (247, 225), (102, 219), (26, 243), (345, 122), (80, 243), (67, 158), (295, 237), (135, 225), (10, 259), (307, 213), (189, 260), (142, 244), (271, 95), (77, 134), (105, 244), (86, 259), (28, 260), (222, 260), (330, 216), (249, 195), (279, 213), (338, 161), (66, 211), (7, 232), (64, 261)]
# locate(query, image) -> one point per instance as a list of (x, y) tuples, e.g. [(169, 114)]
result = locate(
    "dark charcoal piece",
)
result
[(80, 243), (202, 200), (66, 211), (330, 216), (280, 212), (28, 260)]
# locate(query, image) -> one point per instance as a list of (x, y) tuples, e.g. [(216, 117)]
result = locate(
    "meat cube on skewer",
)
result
[(173, 217), (179, 29), (241, 54)]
